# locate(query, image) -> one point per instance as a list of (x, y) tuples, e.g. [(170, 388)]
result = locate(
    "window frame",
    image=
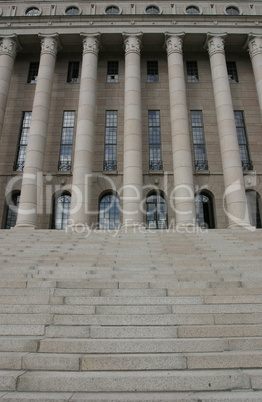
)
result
[(113, 76), (65, 164), (154, 141), (33, 67), (157, 200), (192, 71), (61, 214), (152, 70), (109, 216), (152, 6), (247, 164), (110, 140), (199, 141), (12, 209), (30, 8), (22, 143), (71, 68), (232, 68)]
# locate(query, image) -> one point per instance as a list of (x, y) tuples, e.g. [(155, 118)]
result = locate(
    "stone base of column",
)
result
[(242, 226), (24, 226)]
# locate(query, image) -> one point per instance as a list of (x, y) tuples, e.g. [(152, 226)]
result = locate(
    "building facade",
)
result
[(130, 114)]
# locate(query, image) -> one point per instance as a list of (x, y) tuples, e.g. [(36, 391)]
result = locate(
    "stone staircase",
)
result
[(150, 316)]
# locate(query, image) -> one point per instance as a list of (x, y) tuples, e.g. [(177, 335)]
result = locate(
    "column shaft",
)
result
[(84, 145), (255, 51), (32, 184), (8, 50), (234, 197), (133, 174), (183, 194)]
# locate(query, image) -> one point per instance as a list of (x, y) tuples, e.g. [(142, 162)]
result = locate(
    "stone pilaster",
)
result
[(183, 194), (133, 175), (255, 51), (8, 49), (84, 144), (235, 204), (31, 187)]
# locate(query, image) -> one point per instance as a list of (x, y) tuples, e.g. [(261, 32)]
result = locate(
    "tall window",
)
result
[(204, 211), (232, 71), (112, 71), (109, 212), (12, 211), (23, 140), (65, 158), (198, 140), (155, 161), (253, 201), (192, 71), (73, 72), (242, 140), (110, 159), (152, 71), (61, 211), (33, 72), (156, 212)]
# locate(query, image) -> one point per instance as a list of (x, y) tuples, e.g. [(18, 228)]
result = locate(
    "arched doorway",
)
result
[(61, 213), (109, 212), (204, 210), (156, 211)]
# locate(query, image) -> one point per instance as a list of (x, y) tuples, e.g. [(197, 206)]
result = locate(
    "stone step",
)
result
[(141, 381), (218, 396), (64, 345), (129, 301), (19, 343)]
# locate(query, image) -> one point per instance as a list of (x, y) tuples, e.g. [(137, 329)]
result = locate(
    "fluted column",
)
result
[(183, 193), (255, 51), (8, 49), (133, 175), (84, 145), (31, 184), (234, 197)]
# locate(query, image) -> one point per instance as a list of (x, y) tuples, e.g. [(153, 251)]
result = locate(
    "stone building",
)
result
[(143, 113)]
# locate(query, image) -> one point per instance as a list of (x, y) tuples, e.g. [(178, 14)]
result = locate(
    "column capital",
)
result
[(174, 43), (132, 42), (215, 43), (254, 44), (91, 43), (9, 45), (49, 43)]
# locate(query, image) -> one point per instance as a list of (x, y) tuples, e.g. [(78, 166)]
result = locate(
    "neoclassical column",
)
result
[(8, 49), (84, 143), (133, 174), (31, 184), (255, 50), (183, 193), (235, 204)]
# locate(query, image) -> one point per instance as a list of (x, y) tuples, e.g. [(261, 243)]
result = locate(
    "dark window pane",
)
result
[(152, 71), (156, 212), (33, 72), (12, 211), (23, 141), (232, 71), (198, 140), (112, 71), (192, 71), (110, 153), (65, 157), (109, 212), (73, 72), (155, 161), (242, 140)]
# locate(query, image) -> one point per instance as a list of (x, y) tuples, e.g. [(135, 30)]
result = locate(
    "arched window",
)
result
[(112, 10), (152, 10), (109, 212), (32, 11), (156, 211), (61, 213), (204, 210), (232, 10), (72, 10), (192, 10), (253, 201), (12, 210)]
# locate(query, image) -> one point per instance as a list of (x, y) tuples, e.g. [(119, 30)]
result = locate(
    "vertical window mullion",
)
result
[(198, 140), (110, 153), (242, 140), (65, 157), (154, 133), (23, 141)]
